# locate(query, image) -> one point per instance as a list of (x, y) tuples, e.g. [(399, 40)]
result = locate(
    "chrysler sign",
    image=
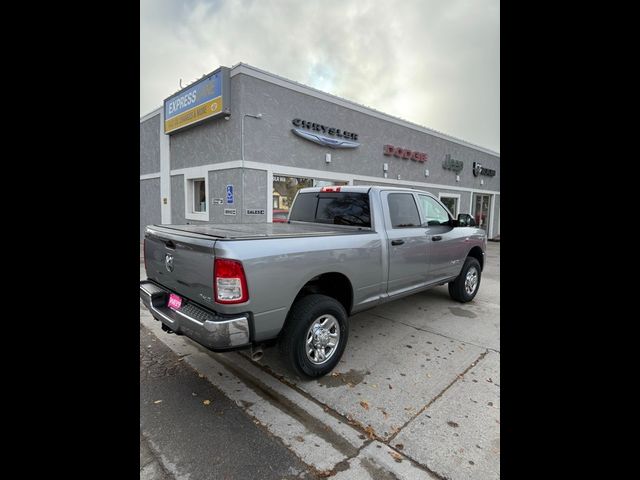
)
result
[(318, 133)]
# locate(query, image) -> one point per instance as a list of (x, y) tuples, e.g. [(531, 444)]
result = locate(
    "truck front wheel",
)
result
[(465, 286), (315, 335)]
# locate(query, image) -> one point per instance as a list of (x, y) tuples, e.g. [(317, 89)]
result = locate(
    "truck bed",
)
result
[(255, 231)]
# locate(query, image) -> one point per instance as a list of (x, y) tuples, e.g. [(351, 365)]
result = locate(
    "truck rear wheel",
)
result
[(315, 335), (465, 286)]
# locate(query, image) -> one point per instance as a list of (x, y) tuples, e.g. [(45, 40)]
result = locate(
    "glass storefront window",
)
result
[(285, 189), (481, 210), (451, 203)]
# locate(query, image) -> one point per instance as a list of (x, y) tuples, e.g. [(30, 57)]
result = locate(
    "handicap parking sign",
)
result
[(229, 193)]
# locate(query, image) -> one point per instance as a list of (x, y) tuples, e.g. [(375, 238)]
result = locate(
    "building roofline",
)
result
[(244, 68), (152, 113), (250, 70)]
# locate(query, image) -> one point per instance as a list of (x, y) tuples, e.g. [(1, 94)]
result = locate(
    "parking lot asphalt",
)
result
[(416, 394)]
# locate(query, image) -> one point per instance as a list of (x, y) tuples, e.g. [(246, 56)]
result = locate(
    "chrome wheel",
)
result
[(471, 281), (322, 339)]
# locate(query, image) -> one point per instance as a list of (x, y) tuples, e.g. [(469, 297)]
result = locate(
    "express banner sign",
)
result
[(204, 99)]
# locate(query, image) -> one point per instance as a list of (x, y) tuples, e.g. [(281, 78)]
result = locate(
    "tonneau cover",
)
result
[(262, 230)]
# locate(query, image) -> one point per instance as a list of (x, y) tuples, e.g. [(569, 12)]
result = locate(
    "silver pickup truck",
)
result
[(343, 250)]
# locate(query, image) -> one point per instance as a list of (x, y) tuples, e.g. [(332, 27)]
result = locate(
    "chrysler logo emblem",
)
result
[(168, 262), (323, 140)]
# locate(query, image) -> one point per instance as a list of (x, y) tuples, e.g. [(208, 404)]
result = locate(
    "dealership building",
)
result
[(236, 145)]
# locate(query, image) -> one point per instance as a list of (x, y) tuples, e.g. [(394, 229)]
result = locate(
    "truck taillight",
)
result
[(229, 281), (330, 189)]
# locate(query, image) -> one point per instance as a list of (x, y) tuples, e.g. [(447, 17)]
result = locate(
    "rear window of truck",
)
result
[(343, 208)]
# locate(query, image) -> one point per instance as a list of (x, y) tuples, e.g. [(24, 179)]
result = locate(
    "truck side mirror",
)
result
[(466, 220)]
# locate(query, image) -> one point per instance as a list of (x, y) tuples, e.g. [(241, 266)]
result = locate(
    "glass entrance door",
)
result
[(481, 204)]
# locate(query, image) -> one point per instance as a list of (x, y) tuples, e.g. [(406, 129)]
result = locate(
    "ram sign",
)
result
[(202, 100)]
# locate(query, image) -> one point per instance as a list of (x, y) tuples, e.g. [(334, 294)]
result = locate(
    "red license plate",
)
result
[(175, 301)]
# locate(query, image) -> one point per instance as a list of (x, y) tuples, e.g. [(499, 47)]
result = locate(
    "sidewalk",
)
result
[(190, 430)]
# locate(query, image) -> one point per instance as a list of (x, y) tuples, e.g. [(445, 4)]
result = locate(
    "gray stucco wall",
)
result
[(270, 140), (149, 203), (150, 145), (255, 195), (255, 191), (177, 200)]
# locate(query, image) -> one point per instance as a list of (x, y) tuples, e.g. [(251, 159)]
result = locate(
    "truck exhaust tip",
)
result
[(167, 329), (256, 353)]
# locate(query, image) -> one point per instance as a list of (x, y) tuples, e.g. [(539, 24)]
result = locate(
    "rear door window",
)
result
[(403, 210)]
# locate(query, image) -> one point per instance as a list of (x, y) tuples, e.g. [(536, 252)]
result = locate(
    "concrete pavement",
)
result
[(416, 394), (191, 430)]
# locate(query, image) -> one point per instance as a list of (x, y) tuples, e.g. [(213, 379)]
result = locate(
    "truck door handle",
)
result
[(397, 242), (436, 238)]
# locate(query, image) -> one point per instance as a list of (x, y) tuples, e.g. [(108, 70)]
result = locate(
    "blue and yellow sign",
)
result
[(199, 101)]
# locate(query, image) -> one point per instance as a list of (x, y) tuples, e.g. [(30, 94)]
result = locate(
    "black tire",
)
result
[(302, 316), (457, 289)]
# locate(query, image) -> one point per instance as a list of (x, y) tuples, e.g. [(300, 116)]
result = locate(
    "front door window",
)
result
[(433, 212)]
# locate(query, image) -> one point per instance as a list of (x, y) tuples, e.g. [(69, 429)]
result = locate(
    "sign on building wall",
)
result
[(202, 100), (452, 164), (315, 132), (478, 169), (404, 153)]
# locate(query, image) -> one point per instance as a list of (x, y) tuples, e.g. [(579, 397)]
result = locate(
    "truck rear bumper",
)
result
[(204, 326)]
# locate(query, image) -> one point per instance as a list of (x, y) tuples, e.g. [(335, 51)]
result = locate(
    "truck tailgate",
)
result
[(181, 262)]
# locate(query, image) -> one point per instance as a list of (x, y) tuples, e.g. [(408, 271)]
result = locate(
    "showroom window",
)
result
[(452, 202), (285, 189), (403, 211)]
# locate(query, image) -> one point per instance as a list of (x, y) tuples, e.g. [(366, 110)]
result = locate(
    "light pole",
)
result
[(257, 115)]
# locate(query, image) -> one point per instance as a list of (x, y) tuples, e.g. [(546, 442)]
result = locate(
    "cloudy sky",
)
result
[(432, 62)]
